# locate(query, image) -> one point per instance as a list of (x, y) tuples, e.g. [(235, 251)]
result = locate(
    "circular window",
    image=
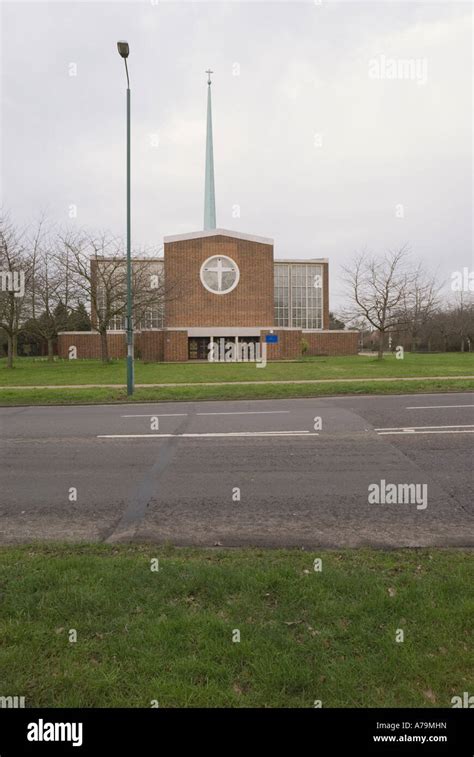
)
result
[(219, 274)]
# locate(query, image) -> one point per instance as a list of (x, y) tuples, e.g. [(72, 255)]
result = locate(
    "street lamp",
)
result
[(123, 49)]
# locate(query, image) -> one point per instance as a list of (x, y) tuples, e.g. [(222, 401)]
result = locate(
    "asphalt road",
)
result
[(299, 486)]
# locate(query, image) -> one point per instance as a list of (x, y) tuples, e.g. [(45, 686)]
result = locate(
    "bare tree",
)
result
[(150, 290), (377, 287), (101, 286), (462, 319), (97, 268), (47, 314), (418, 304), (15, 279)]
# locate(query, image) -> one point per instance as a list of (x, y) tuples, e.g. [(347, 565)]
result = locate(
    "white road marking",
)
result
[(194, 436), (248, 412), (175, 415), (416, 428), (418, 433), (435, 407), (154, 415)]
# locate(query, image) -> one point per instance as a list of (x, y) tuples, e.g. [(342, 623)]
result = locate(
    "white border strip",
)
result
[(197, 436)]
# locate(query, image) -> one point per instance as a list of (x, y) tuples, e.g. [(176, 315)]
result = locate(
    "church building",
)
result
[(231, 287)]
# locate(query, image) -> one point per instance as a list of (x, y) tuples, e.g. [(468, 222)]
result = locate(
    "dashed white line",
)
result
[(239, 412), (434, 407), (213, 434), (249, 412), (155, 415), (418, 433), (416, 428)]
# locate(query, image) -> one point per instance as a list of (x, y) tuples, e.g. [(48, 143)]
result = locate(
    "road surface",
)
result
[(257, 472)]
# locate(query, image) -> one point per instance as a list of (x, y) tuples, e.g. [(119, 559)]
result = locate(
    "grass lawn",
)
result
[(37, 371), (229, 392), (31, 372), (167, 635)]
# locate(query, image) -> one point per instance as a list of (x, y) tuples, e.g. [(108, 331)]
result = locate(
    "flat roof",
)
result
[(218, 233), (161, 260), (105, 259), (301, 260)]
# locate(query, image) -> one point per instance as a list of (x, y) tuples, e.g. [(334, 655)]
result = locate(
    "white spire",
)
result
[(209, 189)]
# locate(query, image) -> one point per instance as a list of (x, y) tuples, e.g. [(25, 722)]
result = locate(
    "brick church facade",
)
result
[(288, 298), (224, 285)]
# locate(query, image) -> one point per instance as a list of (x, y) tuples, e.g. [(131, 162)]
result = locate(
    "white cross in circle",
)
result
[(219, 269)]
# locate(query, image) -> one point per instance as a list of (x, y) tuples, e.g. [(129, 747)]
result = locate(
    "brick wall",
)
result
[(87, 344), (172, 346), (149, 346), (331, 342), (287, 347), (250, 303), (175, 346)]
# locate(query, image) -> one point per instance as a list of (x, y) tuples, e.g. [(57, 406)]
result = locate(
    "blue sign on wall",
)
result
[(271, 338)]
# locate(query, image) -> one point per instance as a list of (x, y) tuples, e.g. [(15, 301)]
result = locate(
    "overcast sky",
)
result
[(314, 143)]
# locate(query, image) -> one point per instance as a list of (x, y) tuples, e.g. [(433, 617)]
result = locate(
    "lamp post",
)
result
[(123, 49)]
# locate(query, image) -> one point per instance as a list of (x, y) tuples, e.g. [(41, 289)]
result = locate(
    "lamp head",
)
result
[(123, 48)]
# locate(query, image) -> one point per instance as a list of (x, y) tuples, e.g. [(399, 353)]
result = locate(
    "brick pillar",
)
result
[(175, 346)]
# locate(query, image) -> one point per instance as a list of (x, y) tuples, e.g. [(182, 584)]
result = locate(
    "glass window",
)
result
[(298, 295)]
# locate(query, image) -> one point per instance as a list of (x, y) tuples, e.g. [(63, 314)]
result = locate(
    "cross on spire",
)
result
[(209, 72)]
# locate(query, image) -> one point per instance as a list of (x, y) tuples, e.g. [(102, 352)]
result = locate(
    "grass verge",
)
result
[(167, 635), (238, 392), (38, 371)]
